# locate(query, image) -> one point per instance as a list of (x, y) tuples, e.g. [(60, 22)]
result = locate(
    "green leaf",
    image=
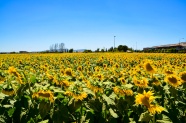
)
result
[(61, 114), (128, 86), (31, 120), (33, 79), (7, 106), (11, 111), (113, 96), (108, 100), (146, 117), (165, 119), (88, 91), (44, 121), (44, 108), (2, 119), (2, 96), (113, 113)]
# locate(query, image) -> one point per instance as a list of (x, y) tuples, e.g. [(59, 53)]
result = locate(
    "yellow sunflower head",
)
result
[(153, 109), (80, 68), (144, 99), (44, 95), (142, 83), (168, 72), (183, 76), (149, 67), (68, 72), (122, 80), (173, 80)]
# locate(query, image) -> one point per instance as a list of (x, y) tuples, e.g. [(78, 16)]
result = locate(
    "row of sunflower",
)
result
[(95, 87)]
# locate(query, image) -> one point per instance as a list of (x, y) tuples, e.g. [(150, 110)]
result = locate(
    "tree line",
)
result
[(60, 47)]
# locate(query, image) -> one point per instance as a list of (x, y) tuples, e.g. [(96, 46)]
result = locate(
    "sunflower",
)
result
[(142, 83), (104, 65), (153, 109), (173, 80), (119, 91), (122, 80), (128, 92), (168, 72), (144, 99), (100, 77), (13, 70), (44, 95), (9, 92), (95, 87), (68, 72), (80, 68), (183, 76), (149, 67), (2, 79), (65, 83), (156, 82), (97, 69), (77, 97)]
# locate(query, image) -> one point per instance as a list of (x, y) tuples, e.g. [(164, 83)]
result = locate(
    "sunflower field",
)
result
[(93, 88)]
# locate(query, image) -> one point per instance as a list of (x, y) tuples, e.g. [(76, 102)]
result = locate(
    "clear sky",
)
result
[(34, 25)]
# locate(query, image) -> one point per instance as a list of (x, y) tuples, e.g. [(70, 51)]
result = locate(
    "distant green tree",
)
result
[(122, 48), (110, 49), (71, 50), (97, 50), (87, 51)]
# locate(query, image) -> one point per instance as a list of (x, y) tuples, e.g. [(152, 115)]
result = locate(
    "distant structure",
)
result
[(178, 46), (23, 52)]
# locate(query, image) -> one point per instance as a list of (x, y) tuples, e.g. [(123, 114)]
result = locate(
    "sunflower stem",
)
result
[(154, 121)]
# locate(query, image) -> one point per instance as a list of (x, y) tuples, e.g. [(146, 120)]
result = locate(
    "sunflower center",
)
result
[(183, 77), (69, 73), (145, 101), (172, 80), (44, 94), (169, 72), (149, 67)]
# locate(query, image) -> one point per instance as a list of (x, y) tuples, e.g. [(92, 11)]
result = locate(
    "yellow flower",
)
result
[(153, 109), (116, 90), (105, 65), (128, 92), (77, 97), (65, 83), (156, 82), (148, 67), (44, 94), (68, 72), (144, 99), (119, 91), (9, 92), (94, 88), (173, 80), (143, 83), (168, 72), (100, 77), (97, 69), (122, 80), (80, 68), (12, 70), (183, 76), (2, 79)]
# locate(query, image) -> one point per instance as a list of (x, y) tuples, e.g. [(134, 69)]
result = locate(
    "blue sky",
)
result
[(34, 25)]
